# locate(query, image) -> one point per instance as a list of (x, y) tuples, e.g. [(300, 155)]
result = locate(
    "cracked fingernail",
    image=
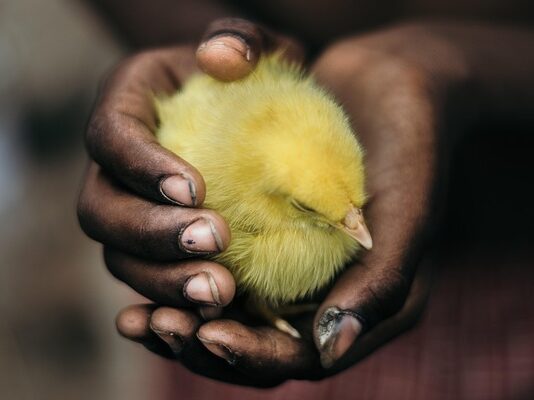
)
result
[(201, 237), (337, 331), (179, 189), (219, 350), (173, 340), (201, 288)]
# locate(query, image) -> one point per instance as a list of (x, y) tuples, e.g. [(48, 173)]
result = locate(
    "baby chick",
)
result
[(283, 167)]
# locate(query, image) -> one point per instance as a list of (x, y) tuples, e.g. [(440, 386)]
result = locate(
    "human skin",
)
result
[(396, 96)]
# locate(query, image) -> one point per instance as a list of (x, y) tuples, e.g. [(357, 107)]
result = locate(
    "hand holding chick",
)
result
[(374, 287), (285, 171)]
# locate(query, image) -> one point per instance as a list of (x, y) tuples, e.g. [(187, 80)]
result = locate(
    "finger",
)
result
[(133, 323), (120, 136), (195, 282), (388, 100), (231, 48), (394, 325), (263, 354), (163, 330), (177, 328), (113, 216), (376, 287)]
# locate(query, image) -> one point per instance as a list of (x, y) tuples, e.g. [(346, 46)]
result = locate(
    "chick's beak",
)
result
[(354, 226)]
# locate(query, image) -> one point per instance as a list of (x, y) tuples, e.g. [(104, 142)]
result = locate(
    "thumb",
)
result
[(231, 48), (362, 297)]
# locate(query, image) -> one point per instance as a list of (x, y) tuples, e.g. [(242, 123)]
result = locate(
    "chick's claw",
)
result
[(284, 326), (258, 308)]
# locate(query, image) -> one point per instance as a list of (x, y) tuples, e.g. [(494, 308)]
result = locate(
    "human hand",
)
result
[(396, 116), (142, 202), (139, 199)]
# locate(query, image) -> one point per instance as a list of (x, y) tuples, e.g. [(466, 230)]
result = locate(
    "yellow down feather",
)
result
[(281, 165)]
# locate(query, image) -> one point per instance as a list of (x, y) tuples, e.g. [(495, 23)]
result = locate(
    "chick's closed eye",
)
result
[(302, 207)]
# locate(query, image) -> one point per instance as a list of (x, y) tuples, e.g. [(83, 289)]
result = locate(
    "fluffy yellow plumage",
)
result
[(282, 166)]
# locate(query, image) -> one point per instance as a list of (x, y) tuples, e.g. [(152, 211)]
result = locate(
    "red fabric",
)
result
[(474, 342)]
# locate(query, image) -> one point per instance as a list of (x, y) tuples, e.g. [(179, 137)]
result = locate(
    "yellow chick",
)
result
[(283, 167)]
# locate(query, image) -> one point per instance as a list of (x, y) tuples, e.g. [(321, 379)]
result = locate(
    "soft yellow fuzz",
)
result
[(282, 166)]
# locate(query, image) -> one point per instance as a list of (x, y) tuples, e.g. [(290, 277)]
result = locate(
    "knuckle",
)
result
[(144, 228), (133, 61), (342, 57), (408, 74), (373, 62), (86, 214), (98, 125), (139, 63), (112, 263), (155, 233), (103, 129)]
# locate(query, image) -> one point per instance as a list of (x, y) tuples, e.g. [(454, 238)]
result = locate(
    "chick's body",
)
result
[(281, 165)]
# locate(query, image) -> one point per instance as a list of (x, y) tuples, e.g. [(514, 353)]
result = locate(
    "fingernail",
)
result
[(226, 57), (227, 43), (219, 350), (173, 340), (179, 189), (209, 312), (201, 288), (337, 331), (201, 237)]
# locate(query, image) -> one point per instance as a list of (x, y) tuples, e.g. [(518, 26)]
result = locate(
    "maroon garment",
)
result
[(474, 342)]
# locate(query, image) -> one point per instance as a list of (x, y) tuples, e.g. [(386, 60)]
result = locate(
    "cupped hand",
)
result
[(144, 203), (393, 105)]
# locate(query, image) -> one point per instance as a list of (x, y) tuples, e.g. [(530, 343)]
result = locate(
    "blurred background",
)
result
[(58, 303)]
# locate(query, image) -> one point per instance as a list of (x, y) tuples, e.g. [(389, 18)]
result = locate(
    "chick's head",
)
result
[(312, 162)]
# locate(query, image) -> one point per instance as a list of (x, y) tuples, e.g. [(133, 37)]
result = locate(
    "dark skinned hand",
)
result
[(144, 204)]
